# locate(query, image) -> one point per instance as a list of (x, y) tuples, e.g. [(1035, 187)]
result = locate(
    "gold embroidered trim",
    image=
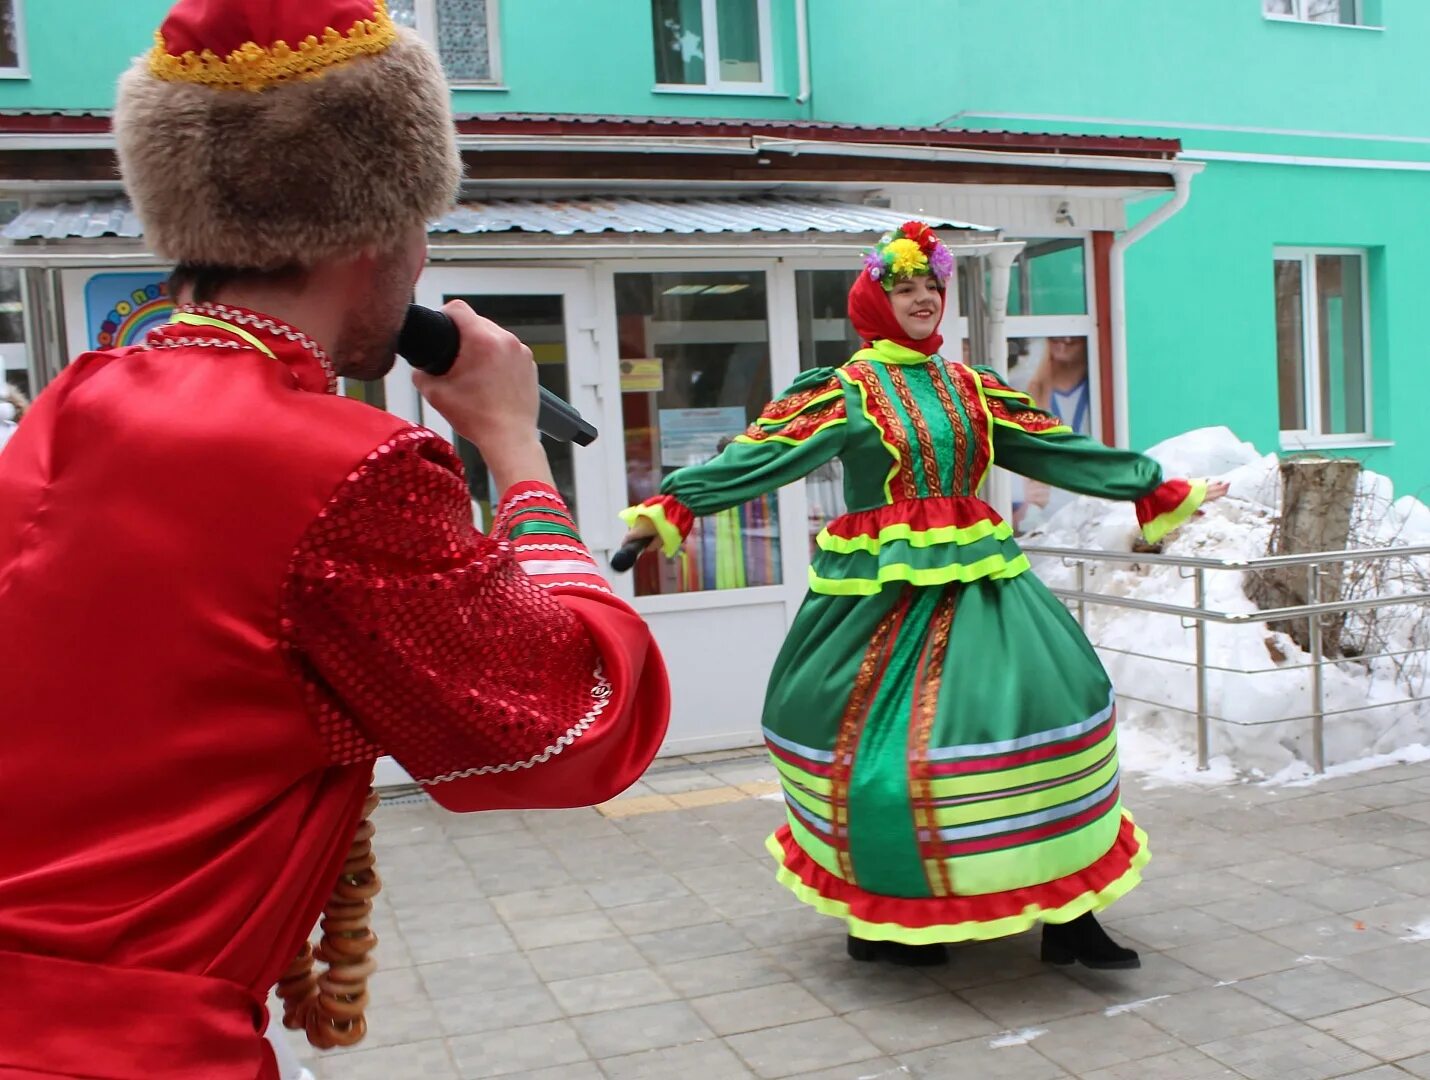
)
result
[(256, 67)]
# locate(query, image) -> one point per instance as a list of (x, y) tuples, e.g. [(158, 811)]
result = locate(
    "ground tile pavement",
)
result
[(1285, 935)]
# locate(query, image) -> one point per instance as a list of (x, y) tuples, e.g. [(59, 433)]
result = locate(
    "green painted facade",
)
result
[(1215, 74)]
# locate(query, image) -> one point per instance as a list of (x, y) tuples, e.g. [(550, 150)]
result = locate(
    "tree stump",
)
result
[(1317, 498)]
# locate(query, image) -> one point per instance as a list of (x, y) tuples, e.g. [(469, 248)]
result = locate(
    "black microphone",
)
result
[(429, 341), (627, 554)]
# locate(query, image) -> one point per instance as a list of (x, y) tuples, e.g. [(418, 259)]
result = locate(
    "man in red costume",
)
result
[(225, 590)]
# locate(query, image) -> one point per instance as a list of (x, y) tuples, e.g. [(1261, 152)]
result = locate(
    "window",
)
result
[(1328, 12), (715, 45), (13, 62), (464, 32), (14, 362), (1322, 343), (695, 372), (1049, 277)]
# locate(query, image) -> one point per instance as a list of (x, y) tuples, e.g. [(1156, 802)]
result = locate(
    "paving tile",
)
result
[(542, 903), (1388, 1030), (574, 961), (1172, 929), (1416, 1066), (1239, 955), (392, 1023), (983, 1059), (582, 1070), (424, 1060), (979, 963), (868, 987), (1311, 990), (1408, 877), (563, 930), (619, 990), (690, 943), (1159, 974), (880, 1068), (920, 1023), (452, 978), (1099, 1041), (430, 946), (1294, 1052), (640, 1027), (1330, 937), (660, 915), (796, 1048), (708, 1060), (790, 925), (1349, 892), (515, 1050), (493, 1009), (1380, 1072), (1266, 910), (639, 889), (1033, 1001), (1403, 968), (1364, 856), (1183, 1064), (1201, 1016), (759, 1007), (682, 780), (722, 974)]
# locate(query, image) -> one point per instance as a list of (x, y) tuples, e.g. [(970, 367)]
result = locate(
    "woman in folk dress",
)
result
[(943, 730)]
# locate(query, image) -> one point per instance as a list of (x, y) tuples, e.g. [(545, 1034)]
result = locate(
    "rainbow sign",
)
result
[(123, 308)]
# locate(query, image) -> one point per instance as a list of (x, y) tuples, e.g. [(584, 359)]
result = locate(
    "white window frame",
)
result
[(713, 84), (1301, 16), (425, 12), (1312, 437), (21, 70)]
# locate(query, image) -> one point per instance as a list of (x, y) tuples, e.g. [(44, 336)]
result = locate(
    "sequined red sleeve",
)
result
[(498, 670)]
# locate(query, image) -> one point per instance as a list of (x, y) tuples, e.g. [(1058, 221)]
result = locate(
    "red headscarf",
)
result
[(872, 314)]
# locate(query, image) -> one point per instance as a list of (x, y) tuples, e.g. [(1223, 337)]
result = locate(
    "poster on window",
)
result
[(1055, 372), (121, 308)]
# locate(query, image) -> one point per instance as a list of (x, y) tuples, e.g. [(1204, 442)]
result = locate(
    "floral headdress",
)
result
[(910, 250)]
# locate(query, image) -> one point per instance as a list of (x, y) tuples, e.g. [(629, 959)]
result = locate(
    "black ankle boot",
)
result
[(1084, 941), (896, 952)]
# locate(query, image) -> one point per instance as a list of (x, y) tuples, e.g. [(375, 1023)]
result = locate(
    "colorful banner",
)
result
[(121, 308)]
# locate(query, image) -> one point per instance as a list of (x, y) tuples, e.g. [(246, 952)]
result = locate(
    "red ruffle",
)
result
[(918, 912), (676, 512), (1163, 499), (959, 511)]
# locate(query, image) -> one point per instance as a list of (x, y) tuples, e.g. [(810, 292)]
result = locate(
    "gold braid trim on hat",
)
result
[(329, 1007), (256, 67)]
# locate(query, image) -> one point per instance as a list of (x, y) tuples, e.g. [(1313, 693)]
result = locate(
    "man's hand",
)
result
[(490, 398)]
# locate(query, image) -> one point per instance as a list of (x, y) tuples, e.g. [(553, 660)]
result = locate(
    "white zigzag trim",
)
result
[(573, 585), (574, 549), (601, 691)]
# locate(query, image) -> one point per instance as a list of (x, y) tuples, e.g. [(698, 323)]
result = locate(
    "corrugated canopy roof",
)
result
[(558, 217)]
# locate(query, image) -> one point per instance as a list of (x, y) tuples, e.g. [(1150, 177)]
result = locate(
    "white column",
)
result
[(999, 491)]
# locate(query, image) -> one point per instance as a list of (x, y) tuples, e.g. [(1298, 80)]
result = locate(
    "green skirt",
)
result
[(949, 763)]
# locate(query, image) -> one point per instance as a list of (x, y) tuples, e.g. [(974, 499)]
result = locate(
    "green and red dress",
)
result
[(943, 730)]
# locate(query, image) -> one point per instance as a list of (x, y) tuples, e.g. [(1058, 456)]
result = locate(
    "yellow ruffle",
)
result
[(996, 566), (965, 931), (1158, 528), (670, 536), (255, 67)]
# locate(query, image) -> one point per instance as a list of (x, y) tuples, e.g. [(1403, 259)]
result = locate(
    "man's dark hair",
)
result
[(203, 282)]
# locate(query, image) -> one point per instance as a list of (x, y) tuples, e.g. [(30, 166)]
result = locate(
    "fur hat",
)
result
[(260, 134)]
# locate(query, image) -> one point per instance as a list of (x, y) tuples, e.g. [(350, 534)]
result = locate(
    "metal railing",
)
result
[(1198, 615)]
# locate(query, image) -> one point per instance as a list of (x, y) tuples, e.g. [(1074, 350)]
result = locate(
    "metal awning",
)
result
[(621, 215)]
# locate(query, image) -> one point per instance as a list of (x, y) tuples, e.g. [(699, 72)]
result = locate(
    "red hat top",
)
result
[(254, 44)]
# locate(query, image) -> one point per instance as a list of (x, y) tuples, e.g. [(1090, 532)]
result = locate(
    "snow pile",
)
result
[(1259, 692)]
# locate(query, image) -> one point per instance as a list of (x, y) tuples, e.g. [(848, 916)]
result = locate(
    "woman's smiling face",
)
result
[(918, 305)]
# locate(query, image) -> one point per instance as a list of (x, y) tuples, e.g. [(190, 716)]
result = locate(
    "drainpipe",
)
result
[(1117, 284), (801, 32)]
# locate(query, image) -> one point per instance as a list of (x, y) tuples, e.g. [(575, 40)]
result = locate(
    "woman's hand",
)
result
[(643, 529), (1216, 489)]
